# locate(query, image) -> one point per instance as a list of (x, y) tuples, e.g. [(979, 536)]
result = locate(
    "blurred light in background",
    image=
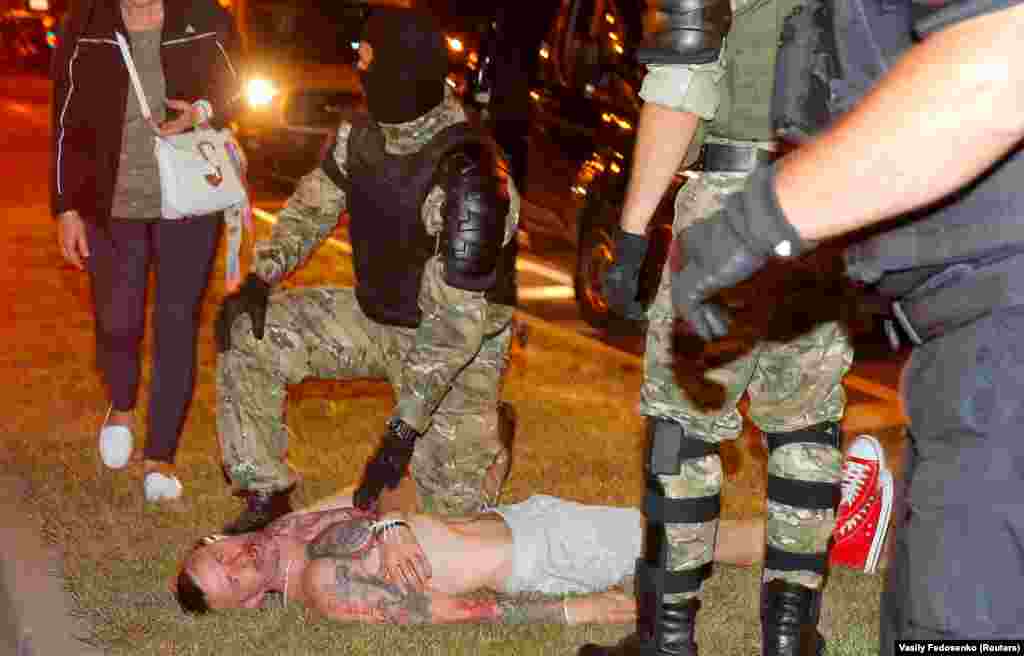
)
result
[(259, 92)]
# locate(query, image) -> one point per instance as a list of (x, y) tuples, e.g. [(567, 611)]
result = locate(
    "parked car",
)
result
[(586, 105), (300, 80), (27, 40)]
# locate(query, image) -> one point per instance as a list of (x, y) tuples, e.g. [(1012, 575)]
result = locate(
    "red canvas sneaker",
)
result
[(863, 516)]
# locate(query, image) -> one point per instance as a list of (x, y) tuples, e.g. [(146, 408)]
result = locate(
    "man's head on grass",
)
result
[(238, 571), (230, 572)]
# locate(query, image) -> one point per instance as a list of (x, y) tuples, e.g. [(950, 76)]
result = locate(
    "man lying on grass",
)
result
[(355, 566), (412, 569)]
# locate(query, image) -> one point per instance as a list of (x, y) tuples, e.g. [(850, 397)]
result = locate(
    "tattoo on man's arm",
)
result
[(359, 597)]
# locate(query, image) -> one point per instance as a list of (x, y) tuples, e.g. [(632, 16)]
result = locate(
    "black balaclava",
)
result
[(405, 80)]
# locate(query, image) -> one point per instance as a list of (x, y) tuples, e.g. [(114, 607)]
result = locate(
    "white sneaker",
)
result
[(116, 443), (161, 486)]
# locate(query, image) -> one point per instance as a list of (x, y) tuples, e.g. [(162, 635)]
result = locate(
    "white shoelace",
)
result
[(854, 476), (854, 521)]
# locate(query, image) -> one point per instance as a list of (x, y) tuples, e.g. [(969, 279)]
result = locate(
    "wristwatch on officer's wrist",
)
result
[(402, 430)]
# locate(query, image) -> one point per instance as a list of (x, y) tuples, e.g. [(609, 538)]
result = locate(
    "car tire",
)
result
[(595, 253)]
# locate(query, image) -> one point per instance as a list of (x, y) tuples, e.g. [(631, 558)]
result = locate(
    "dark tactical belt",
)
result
[(727, 158), (933, 310)]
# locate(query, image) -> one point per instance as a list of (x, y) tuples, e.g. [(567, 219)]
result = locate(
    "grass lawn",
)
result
[(579, 436)]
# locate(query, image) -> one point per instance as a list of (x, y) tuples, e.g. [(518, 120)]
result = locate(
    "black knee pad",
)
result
[(653, 578), (790, 561), (804, 494), (826, 434), (668, 446), (812, 495)]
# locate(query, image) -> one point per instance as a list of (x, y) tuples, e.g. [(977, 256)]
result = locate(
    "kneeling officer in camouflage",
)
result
[(432, 226)]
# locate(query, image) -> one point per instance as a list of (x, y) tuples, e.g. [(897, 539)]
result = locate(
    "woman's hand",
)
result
[(402, 560), (188, 116), (71, 236)]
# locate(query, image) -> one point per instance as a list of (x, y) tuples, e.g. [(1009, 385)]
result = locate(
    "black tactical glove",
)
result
[(727, 248), (251, 299), (388, 465), (622, 279)]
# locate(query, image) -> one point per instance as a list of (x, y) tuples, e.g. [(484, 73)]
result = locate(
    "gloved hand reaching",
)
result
[(388, 465), (727, 248), (251, 298), (622, 279)]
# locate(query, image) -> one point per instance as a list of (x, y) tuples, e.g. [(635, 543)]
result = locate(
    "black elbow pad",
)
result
[(475, 207), (685, 32)]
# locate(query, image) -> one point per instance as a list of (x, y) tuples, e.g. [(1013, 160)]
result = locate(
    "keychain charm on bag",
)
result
[(197, 173)]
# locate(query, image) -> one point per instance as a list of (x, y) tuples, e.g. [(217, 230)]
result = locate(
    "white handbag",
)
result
[(200, 171)]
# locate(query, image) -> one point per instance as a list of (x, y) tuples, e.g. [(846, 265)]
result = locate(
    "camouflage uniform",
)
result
[(446, 373), (792, 385)]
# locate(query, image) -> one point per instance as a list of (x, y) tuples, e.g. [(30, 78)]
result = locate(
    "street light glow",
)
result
[(260, 92)]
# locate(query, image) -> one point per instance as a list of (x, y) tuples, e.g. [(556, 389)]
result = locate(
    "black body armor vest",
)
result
[(390, 245)]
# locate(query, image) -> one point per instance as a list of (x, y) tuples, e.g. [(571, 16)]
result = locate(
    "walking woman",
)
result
[(105, 195)]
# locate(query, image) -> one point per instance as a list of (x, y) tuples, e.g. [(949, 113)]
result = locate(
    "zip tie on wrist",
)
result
[(202, 111)]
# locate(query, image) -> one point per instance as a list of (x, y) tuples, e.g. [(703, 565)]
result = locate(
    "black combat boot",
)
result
[(789, 620), (672, 636), (261, 508)]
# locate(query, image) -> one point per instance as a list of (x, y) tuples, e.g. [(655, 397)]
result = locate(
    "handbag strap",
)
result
[(134, 75)]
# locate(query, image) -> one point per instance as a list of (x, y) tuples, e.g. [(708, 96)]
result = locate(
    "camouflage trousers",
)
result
[(459, 463), (791, 385)]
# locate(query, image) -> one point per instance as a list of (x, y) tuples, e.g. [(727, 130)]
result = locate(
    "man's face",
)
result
[(236, 571), (365, 56)]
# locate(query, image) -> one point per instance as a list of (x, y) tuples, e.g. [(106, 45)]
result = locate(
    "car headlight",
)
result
[(259, 92), (455, 44)]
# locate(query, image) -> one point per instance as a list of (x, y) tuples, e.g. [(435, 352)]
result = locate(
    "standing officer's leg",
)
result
[(683, 469), (312, 332), (797, 399)]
